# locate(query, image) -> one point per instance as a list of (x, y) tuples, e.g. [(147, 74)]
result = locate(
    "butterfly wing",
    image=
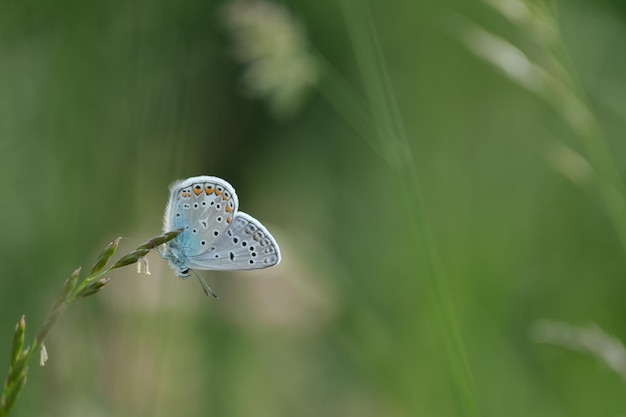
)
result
[(205, 207), (246, 244)]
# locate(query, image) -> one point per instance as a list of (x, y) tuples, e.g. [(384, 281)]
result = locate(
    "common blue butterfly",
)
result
[(215, 235)]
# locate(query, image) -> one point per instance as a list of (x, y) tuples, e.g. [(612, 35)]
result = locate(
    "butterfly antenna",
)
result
[(205, 286)]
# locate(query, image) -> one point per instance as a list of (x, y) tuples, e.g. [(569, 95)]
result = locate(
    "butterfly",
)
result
[(216, 236)]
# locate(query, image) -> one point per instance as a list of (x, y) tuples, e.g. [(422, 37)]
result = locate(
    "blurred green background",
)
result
[(104, 103)]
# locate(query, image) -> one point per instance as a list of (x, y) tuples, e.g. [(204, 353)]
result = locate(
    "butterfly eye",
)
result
[(184, 272)]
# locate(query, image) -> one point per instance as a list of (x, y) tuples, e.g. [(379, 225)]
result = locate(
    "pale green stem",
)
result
[(396, 149)]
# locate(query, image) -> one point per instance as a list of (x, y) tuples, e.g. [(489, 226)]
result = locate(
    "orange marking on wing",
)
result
[(229, 219), (197, 191), (228, 209), (208, 190), (218, 192)]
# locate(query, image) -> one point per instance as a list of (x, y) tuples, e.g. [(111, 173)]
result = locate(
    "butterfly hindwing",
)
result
[(246, 244)]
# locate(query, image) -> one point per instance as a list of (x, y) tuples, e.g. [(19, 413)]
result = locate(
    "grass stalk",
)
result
[(584, 123), (553, 77), (392, 143), (69, 293)]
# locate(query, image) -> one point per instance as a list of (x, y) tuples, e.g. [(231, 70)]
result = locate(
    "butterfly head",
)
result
[(176, 262), (181, 270), (183, 273)]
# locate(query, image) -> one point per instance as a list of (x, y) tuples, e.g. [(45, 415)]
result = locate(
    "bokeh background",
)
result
[(505, 119)]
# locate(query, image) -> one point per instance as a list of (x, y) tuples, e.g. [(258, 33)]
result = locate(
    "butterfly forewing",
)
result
[(205, 207), (246, 244)]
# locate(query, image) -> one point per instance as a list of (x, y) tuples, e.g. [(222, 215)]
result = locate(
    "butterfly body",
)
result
[(215, 236)]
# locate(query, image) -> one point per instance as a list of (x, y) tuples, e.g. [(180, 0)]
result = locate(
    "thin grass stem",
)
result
[(70, 292), (395, 144)]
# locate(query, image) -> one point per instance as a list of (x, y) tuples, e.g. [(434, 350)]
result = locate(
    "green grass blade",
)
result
[(392, 135)]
